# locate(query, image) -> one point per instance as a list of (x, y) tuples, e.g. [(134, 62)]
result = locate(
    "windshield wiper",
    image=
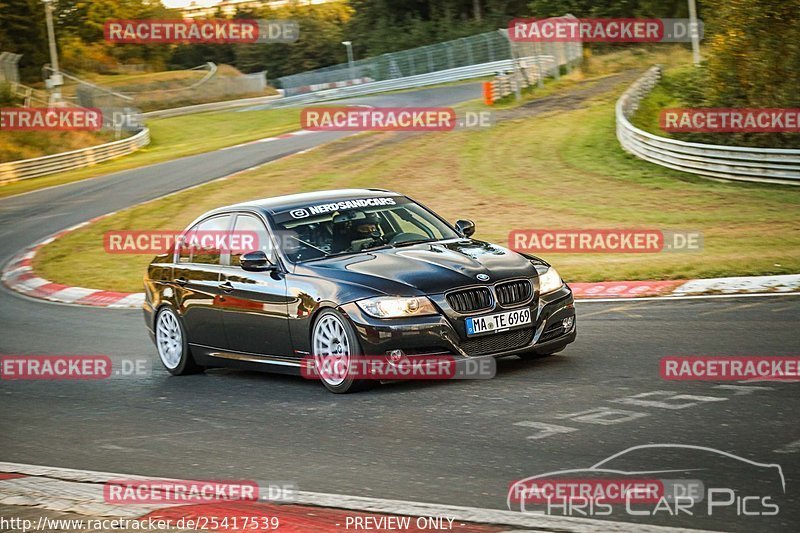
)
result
[(349, 252), (409, 243), (376, 247), (328, 256)]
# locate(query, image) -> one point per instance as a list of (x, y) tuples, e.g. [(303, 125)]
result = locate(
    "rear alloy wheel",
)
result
[(334, 347), (172, 344)]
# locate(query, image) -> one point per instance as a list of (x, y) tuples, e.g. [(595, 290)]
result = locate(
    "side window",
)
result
[(207, 239), (249, 235), (185, 248)]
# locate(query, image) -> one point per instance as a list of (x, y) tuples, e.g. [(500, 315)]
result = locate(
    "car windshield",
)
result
[(355, 225)]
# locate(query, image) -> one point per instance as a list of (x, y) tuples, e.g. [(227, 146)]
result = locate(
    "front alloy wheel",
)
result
[(172, 345), (334, 347)]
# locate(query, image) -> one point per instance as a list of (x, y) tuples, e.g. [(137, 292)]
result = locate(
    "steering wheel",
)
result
[(404, 236)]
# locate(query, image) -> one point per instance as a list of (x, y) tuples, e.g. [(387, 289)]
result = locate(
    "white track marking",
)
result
[(792, 447), (605, 416), (668, 400), (31, 284), (71, 294), (134, 300), (740, 390), (545, 430)]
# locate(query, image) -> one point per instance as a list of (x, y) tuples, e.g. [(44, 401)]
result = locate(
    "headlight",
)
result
[(549, 281), (397, 307)]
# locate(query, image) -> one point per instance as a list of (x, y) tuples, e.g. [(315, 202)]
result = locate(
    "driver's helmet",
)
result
[(354, 226), (366, 227)]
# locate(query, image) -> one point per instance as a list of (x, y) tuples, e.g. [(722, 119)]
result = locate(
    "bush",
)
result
[(7, 98), (691, 87), (78, 56)]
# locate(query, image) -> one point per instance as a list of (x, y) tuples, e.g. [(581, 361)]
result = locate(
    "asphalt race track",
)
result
[(458, 442)]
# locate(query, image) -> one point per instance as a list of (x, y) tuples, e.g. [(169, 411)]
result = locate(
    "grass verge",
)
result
[(15, 145), (563, 169), (176, 137)]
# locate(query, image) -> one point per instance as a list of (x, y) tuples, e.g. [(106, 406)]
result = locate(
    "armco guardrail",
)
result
[(50, 164), (212, 106), (740, 163), (408, 82), (421, 80)]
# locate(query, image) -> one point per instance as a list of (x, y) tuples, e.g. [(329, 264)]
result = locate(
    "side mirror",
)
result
[(255, 262), (465, 227)]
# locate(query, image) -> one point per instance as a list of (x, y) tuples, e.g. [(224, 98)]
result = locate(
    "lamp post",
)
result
[(694, 32), (350, 63), (55, 81)]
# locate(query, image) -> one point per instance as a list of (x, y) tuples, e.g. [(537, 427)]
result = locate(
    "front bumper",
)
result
[(149, 319), (445, 334)]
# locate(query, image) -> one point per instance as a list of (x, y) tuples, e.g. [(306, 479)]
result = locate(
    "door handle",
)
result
[(181, 281), (226, 287)]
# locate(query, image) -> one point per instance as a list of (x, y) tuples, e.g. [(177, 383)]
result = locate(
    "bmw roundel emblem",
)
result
[(482, 277)]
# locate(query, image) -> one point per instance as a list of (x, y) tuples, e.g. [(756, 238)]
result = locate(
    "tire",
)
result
[(172, 344), (333, 339)]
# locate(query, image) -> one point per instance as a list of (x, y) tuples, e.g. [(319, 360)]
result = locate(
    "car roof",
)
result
[(294, 201)]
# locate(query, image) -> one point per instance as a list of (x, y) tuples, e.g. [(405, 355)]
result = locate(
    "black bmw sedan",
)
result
[(346, 274)]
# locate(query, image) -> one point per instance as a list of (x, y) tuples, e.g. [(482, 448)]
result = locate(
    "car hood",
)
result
[(429, 268)]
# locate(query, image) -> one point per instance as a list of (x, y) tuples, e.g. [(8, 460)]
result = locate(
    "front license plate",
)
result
[(498, 322)]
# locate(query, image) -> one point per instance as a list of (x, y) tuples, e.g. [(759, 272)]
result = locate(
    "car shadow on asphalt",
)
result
[(507, 368)]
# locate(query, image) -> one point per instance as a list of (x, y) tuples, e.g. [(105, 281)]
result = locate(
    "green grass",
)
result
[(562, 170), (176, 137)]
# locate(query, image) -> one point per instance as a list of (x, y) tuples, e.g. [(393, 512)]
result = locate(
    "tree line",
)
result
[(374, 26), (752, 46)]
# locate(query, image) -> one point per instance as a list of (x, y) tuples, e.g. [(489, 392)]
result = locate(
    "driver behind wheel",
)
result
[(365, 232), (356, 231), (369, 227)]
